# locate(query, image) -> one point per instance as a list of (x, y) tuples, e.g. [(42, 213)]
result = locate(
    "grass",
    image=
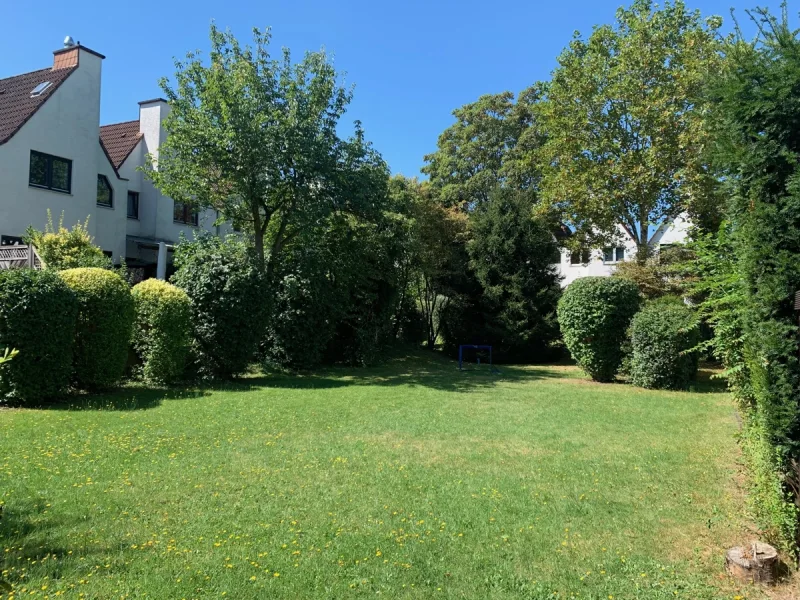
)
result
[(410, 480)]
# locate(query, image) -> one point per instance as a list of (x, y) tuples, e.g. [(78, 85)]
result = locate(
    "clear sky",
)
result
[(412, 62)]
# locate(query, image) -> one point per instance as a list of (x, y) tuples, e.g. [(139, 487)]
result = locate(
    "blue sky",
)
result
[(412, 62)]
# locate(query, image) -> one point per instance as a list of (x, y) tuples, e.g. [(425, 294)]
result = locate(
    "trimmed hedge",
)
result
[(594, 314), (105, 318), (229, 302), (162, 329), (37, 317), (661, 334)]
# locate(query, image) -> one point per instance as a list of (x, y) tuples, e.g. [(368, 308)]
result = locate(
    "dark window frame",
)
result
[(11, 240), (48, 176), (188, 215), (579, 257), (101, 177), (135, 197), (613, 255)]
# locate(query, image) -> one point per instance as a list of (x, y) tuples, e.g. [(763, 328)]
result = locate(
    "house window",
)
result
[(50, 172), (579, 257), (611, 255), (11, 240), (105, 194), (133, 205), (183, 213)]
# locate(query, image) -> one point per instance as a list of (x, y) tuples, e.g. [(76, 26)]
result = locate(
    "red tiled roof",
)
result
[(119, 140), (16, 104)]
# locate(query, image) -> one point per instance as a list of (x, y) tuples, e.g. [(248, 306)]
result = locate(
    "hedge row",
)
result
[(73, 329), (599, 316)]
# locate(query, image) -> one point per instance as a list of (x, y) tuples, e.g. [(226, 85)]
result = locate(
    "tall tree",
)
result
[(759, 154), (256, 139), (625, 123), (513, 257), (472, 154), (434, 235)]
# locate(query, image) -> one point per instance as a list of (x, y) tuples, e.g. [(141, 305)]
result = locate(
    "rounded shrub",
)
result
[(105, 317), (229, 301), (594, 314), (37, 317), (661, 335), (162, 329)]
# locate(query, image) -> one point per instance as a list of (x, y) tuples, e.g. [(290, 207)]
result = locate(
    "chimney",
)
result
[(70, 55), (151, 124)]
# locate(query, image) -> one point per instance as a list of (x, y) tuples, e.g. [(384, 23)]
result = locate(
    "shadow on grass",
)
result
[(708, 380), (414, 368), (411, 369), (32, 554), (129, 397)]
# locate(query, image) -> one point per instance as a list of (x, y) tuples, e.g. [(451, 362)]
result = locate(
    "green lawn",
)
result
[(408, 480)]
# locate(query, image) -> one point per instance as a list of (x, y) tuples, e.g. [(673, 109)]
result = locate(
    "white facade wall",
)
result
[(66, 125), (674, 233)]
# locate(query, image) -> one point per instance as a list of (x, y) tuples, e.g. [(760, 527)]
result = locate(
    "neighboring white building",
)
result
[(602, 262), (55, 155)]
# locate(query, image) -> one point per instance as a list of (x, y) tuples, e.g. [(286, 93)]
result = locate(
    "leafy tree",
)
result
[(229, 303), (61, 248), (513, 257), (256, 139), (759, 156), (662, 274), (336, 293), (435, 235), (624, 123), (473, 155)]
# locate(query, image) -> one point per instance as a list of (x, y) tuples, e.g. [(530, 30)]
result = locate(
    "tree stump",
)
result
[(756, 563)]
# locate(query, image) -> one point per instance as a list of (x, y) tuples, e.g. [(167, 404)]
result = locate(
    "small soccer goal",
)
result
[(474, 357)]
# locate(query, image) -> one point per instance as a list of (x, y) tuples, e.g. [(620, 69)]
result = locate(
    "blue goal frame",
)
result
[(475, 347)]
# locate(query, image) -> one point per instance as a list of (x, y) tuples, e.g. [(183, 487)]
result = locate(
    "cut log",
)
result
[(756, 563)]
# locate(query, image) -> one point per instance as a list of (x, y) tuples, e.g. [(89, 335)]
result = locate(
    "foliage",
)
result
[(256, 139), (61, 248), (475, 154), (103, 332), (714, 285), (660, 275), (751, 295), (337, 293), (229, 300), (513, 257), (435, 237), (769, 496), (594, 314), (37, 317), (663, 338), (162, 329), (350, 441), (624, 123)]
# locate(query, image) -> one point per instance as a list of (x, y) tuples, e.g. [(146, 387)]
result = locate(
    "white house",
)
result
[(55, 155), (603, 261)]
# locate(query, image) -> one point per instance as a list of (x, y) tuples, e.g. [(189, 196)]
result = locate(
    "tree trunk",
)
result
[(643, 246), (756, 563)]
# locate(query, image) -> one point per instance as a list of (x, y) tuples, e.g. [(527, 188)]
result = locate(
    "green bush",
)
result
[(162, 329), (594, 314), (661, 335), (103, 333), (758, 165), (61, 248), (37, 317), (229, 301)]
